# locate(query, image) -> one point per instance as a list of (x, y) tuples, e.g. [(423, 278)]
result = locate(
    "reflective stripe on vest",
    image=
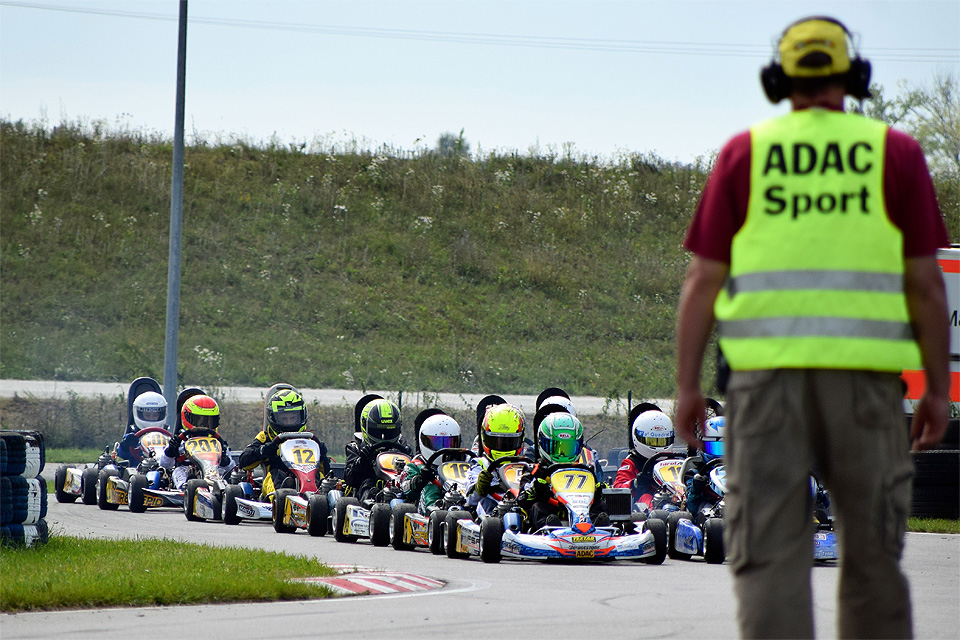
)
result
[(816, 274)]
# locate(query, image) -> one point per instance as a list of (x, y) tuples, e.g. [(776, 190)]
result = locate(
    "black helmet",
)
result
[(285, 412), (380, 422)]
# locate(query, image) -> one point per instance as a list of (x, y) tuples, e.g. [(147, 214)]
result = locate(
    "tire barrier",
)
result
[(23, 492), (936, 485)]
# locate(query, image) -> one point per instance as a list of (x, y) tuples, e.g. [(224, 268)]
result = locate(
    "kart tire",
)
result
[(398, 516), (189, 497), (340, 516), (672, 522), (59, 480), (659, 531), (491, 537), (450, 534), (230, 495), (6, 501), (88, 485), (102, 480), (380, 524), (16, 458), (279, 508), (138, 482), (318, 515), (660, 514), (435, 531), (713, 551)]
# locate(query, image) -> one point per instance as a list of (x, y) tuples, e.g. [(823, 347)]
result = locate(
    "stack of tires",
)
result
[(23, 493), (936, 485)]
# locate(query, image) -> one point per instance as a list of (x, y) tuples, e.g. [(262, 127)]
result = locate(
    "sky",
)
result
[(673, 78)]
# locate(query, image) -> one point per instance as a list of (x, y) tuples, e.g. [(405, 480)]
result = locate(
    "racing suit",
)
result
[(275, 471), (175, 458), (536, 499), (358, 467), (418, 487), (629, 477)]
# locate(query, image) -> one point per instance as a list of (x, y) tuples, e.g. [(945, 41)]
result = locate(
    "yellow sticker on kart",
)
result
[(203, 447), (573, 480), (586, 553), (455, 471), (669, 470), (579, 539)]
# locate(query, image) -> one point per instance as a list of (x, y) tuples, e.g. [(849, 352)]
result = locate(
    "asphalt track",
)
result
[(510, 599)]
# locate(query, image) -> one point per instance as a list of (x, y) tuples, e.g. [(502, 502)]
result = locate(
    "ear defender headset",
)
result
[(777, 84)]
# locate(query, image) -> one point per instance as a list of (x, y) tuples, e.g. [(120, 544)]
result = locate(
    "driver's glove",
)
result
[(173, 448), (483, 482)]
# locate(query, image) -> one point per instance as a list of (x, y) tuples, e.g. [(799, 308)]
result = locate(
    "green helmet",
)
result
[(561, 438), (380, 422), (285, 412)]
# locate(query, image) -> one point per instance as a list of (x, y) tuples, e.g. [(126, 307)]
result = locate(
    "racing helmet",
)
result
[(651, 433), (561, 439), (286, 412), (380, 422), (438, 431), (711, 433), (149, 410), (559, 400), (200, 412), (501, 433)]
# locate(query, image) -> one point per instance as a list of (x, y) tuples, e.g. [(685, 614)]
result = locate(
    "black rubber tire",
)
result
[(713, 551), (138, 482), (279, 506), (16, 460), (318, 514), (491, 537), (88, 485), (6, 501), (60, 479), (30, 535), (672, 534), (102, 489), (450, 534), (657, 527), (435, 531), (398, 516), (230, 495), (661, 514), (379, 524), (339, 515), (189, 497)]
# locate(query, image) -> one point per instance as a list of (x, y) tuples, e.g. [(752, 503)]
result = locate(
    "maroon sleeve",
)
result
[(723, 203), (910, 197)]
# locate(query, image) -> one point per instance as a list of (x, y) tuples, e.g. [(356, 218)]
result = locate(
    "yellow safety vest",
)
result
[(816, 271)]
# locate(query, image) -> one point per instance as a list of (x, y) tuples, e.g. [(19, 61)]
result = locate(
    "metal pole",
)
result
[(176, 225)]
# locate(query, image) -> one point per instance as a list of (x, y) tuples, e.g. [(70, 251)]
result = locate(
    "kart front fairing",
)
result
[(578, 542)]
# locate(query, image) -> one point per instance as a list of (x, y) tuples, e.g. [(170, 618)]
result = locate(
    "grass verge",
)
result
[(933, 525), (71, 455), (73, 573)]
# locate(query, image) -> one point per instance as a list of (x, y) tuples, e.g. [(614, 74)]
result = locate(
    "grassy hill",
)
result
[(365, 269)]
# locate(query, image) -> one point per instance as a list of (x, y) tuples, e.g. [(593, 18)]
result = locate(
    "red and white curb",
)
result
[(355, 580)]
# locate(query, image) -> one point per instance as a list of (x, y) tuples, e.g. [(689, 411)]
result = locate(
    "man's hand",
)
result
[(929, 423), (690, 410)]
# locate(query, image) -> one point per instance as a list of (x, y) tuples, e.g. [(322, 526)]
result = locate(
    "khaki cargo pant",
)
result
[(849, 427)]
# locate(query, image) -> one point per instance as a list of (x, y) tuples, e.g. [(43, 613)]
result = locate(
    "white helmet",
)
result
[(149, 410), (652, 432), (439, 431), (562, 401)]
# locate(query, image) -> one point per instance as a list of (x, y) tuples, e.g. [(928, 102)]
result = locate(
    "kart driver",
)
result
[(149, 410), (199, 412), (380, 424), (435, 430), (651, 432), (284, 411), (501, 434)]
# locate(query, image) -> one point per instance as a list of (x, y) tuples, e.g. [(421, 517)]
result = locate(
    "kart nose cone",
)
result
[(583, 527)]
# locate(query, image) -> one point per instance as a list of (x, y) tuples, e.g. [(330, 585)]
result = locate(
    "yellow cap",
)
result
[(811, 36)]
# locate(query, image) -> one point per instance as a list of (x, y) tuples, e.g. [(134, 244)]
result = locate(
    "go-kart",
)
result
[(574, 487), (824, 538), (203, 493), (302, 506), (409, 529), (146, 485), (71, 482), (700, 534), (349, 519), (665, 469)]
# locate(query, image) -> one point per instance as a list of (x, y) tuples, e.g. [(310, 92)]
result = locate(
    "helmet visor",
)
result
[(502, 441), (561, 450), (292, 418), (377, 433), (657, 442), (439, 442), (713, 447), (152, 414), (203, 422)]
